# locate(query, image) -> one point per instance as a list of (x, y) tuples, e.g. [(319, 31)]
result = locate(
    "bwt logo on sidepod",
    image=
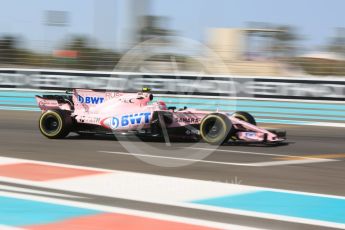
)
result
[(91, 100), (131, 119)]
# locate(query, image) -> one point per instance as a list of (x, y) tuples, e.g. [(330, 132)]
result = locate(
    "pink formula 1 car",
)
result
[(88, 112)]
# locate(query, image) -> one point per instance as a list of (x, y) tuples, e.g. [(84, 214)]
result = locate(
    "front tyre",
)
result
[(216, 129), (55, 124), (244, 116)]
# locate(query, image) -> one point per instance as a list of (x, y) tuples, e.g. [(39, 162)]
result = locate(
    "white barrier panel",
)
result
[(325, 88)]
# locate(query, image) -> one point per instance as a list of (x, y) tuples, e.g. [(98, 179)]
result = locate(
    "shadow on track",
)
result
[(133, 138)]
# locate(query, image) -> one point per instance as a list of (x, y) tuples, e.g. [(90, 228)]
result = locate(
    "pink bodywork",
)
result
[(125, 112)]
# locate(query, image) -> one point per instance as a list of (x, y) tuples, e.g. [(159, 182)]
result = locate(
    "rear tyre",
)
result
[(55, 124), (244, 116), (216, 129)]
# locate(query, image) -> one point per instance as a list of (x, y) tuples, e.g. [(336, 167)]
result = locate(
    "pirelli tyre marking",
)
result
[(215, 129), (55, 124)]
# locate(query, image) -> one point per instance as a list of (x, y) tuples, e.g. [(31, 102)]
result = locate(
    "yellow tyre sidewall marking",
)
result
[(241, 117), (219, 119), (58, 118)]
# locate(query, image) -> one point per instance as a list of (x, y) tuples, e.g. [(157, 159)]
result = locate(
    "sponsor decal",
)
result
[(130, 119), (190, 120), (193, 132), (47, 103), (90, 100), (250, 135), (127, 100), (93, 120), (114, 124), (111, 95)]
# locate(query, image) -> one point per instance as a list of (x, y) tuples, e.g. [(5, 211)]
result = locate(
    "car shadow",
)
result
[(133, 138), (259, 144)]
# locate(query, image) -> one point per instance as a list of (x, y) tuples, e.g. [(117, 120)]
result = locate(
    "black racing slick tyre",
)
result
[(244, 116), (216, 129), (55, 124)]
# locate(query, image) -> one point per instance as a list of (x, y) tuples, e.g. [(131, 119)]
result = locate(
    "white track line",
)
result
[(151, 181), (250, 153), (291, 162), (267, 216), (175, 158), (125, 211), (3, 227), (257, 164), (36, 192), (25, 182), (326, 124)]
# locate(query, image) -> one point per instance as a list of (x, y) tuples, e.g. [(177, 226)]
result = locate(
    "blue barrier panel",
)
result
[(267, 111)]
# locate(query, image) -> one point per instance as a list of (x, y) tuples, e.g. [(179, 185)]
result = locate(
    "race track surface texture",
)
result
[(20, 138)]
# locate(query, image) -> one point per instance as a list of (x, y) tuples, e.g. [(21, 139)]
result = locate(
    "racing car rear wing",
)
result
[(51, 102)]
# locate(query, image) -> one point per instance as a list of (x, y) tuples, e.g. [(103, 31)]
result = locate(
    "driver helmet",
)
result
[(162, 105)]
